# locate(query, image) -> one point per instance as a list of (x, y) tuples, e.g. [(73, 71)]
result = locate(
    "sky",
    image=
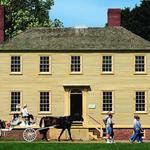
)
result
[(86, 13)]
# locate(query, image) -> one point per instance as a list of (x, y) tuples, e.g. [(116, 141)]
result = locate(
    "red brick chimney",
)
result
[(1, 24), (114, 17)]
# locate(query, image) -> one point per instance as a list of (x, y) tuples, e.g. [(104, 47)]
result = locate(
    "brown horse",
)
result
[(2, 124), (60, 123)]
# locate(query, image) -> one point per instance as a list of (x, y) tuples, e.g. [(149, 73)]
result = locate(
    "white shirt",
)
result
[(24, 112), (109, 122)]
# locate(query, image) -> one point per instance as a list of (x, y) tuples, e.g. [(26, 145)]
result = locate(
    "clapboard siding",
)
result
[(123, 82)]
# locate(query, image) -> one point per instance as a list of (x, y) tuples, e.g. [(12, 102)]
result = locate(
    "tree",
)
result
[(137, 20), (23, 14)]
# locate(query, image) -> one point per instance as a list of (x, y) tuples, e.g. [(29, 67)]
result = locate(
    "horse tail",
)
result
[(41, 121)]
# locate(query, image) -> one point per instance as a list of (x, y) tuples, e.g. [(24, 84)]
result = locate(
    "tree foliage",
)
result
[(23, 14), (137, 20)]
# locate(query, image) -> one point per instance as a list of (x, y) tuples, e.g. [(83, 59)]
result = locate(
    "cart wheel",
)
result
[(29, 134)]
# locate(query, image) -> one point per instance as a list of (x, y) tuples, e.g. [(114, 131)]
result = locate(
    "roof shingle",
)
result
[(76, 39)]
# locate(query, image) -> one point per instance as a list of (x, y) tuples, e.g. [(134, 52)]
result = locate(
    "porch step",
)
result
[(92, 136), (96, 133)]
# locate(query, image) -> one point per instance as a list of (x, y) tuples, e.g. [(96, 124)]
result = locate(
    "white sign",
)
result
[(92, 106)]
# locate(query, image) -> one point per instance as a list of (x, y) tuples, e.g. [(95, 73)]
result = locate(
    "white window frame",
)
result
[(140, 72), (112, 65), (106, 111), (50, 65), (145, 111), (19, 105), (76, 72), (50, 103), (21, 66)]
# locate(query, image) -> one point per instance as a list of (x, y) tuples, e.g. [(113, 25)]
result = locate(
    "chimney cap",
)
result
[(114, 10)]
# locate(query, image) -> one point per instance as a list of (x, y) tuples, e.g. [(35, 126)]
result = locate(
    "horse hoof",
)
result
[(58, 140)]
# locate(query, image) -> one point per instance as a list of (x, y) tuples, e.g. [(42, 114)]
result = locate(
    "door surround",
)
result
[(67, 91)]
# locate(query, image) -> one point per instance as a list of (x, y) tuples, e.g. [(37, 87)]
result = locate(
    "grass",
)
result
[(71, 146)]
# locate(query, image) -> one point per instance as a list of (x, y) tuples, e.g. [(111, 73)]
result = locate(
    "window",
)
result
[(107, 101), (15, 64), (75, 64), (15, 101), (44, 64), (140, 101), (107, 64), (139, 63), (44, 101)]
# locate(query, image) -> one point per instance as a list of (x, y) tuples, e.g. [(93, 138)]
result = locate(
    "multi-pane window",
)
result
[(44, 101), (44, 64), (140, 101), (15, 64), (107, 101), (15, 101), (107, 64), (139, 63), (75, 64)]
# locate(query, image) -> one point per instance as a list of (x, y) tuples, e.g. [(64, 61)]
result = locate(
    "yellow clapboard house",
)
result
[(84, 71)]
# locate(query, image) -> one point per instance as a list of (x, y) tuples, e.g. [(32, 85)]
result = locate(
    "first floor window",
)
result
[(15, 101), (44, 101), (75, 64), (107, 101), (140, 101), (15, 64)]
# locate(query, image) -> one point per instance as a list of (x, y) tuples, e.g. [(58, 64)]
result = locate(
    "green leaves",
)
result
[(23, 14), (137, 20)]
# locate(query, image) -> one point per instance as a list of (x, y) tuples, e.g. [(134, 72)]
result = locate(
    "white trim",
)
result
[(81, 65), (112, 65), (50, 103), (21, 66), (50, 65), (145, 66), (76, 85)]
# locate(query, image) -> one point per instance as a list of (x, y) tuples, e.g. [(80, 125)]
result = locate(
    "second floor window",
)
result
[(15, 101), (140, 101), (107, 101), (44, 101), (107, 64), (44, 64), (139, 63), (15, 64), (75, 64)]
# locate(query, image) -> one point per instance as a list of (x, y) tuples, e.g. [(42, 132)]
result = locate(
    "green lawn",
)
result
[(71, 146)]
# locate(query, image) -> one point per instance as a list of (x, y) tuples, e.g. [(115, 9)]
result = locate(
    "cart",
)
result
[(29, 133)]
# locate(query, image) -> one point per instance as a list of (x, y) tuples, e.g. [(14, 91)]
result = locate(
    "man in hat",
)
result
[(24, 113)]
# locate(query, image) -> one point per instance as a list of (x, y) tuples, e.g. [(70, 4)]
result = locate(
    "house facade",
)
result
[(78, 71)]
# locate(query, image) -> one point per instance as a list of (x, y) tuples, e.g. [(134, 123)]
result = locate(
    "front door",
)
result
[(76, 104)]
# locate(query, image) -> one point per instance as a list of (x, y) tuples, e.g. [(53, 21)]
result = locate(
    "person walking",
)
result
[(137, 131), (109, 129)]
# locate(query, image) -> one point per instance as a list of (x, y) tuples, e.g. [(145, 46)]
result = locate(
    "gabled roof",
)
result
[(115, 38)]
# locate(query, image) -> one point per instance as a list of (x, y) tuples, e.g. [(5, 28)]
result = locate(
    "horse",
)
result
[(2, 124), (63, 123)]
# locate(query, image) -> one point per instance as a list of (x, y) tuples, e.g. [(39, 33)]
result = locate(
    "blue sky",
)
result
[(89, 13)]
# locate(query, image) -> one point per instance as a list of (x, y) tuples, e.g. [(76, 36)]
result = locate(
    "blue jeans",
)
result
[(109, 130), (136, 136)]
